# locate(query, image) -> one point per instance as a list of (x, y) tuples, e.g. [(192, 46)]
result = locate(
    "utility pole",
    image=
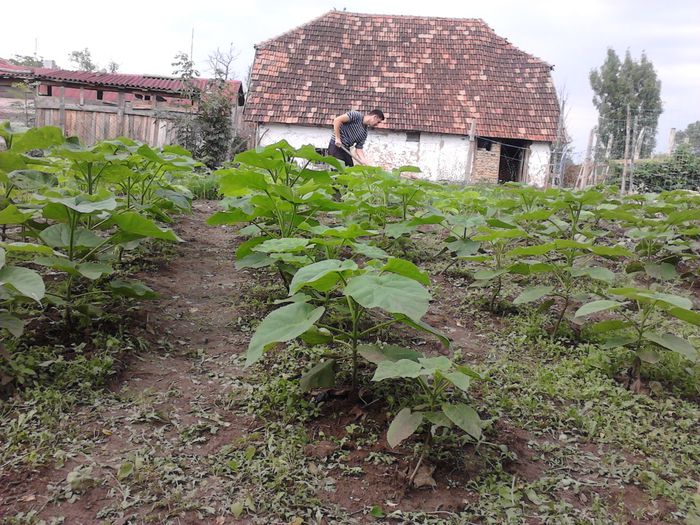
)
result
[(628, 125)]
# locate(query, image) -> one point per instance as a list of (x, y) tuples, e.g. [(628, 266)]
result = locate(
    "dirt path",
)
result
[(144, 450)]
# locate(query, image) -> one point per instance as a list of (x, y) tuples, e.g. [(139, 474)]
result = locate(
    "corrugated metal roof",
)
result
[(157, 83)]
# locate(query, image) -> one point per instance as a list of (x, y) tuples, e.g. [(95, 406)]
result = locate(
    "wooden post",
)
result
[(470, 151), (636, 154), (628, 125), (584, 173), (120, 114), (62, 108), (82, 96), (671, 141)]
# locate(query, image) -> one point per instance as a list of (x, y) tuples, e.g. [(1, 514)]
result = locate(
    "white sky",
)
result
[(143, 37)]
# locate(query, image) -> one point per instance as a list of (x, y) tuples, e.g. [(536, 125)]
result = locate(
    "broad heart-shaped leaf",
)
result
[(458, 379), (284, 244), (131, 289), (597, 306), (132, 222), (82, 204), (397, 229), (532, 294), (27, 282), (611, 251), (403, 368), (369, 250), (465, 417), (37, 138), (11, 215), (689, 316), (609, 325), (407, 269), (62, 264), (94, 270), (59, 236), (376, 354), (434, 364), (283, 324), (403, 426), (674, 343), (254, 260), (390, 292), (321, 275), (487, 275), (32, 180), (464, 247), (235, 182), (322, 375), (26, 247), (12, 324), (662, 272), (594, 272), (228, 217)]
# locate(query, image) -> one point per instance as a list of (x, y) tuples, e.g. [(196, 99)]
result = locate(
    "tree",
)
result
[(27, 60), (82, 60), (691, 136), (220, 62), (617, 85), (112, 67), (187, 135)]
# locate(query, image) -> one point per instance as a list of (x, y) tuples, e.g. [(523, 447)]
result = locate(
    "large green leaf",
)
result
[(403, 426), (407, 269), (532, 294), (59, 236), (12, 324), (594, 272), (37, 138), (403, 368), (93, 270), (228, 217), (458, 379), (689, 316), (132, 222), (321, 275), (597, 306), (132, 289), (234, 183), (675, 344), (11, 215), (284, 244), (26, 247), (390, 292), (27, 282), (425, 327), (283, 324), (376, 354), (322, 375), (465, 417)]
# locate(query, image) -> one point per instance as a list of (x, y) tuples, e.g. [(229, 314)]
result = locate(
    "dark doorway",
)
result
[(510, 167)]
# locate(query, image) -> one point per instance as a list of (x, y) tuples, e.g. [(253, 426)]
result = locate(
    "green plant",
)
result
[(635, 328)]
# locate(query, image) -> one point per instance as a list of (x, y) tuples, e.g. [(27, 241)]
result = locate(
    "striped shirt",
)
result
[(353, 132)]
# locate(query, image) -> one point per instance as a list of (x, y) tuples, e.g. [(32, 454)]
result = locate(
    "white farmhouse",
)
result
[(461, 102)]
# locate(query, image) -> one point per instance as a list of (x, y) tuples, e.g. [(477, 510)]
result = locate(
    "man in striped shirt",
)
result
[(350, 129)]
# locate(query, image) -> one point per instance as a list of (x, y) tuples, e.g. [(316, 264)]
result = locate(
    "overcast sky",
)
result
[(143, 37)]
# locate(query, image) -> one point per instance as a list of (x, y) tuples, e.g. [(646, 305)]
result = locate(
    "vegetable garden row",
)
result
[(615, 268)]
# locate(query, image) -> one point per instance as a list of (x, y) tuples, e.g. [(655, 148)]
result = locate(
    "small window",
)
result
[(139, 97), (413, 136), (99, 94), (483, 144), (147, 97), (49, 91)]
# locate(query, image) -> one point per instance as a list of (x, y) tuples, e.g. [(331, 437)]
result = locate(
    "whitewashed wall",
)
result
[(538, 164), (440, 157)]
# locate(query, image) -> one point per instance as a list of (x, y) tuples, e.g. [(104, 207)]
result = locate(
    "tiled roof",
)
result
[(426, 74)]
